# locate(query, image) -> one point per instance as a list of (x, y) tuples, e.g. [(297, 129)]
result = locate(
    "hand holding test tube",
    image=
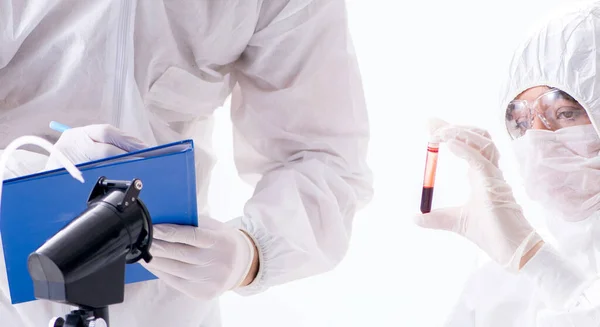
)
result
[(491, 218)]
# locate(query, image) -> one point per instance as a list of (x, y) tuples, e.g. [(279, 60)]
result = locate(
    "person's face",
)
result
[(543, 108)]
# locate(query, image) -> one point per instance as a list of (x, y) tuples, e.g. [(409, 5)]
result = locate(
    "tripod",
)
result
[(83, 317)]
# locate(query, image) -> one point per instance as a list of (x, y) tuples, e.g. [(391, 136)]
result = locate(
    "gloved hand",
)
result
[(93, 142), (201, 262), (491, 218)]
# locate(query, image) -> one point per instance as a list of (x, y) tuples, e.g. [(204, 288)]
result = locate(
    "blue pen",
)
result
[(58, 126)]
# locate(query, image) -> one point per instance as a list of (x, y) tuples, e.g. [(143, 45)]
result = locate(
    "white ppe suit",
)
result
[(157, 70), (559, 285)]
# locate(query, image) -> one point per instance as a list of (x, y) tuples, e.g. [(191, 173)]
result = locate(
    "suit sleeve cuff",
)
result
[(258, 285)]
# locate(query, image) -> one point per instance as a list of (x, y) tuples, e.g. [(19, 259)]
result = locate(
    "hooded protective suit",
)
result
[(157, 70), (564, 54)]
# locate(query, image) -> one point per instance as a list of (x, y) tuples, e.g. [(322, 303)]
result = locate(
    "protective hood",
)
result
[(564, 53)]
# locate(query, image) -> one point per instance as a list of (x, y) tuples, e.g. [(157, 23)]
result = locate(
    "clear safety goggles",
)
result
[(555, 109)]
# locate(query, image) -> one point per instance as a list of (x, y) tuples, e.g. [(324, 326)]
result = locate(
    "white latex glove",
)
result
[(93, 142), (198, 261), (491, 218)]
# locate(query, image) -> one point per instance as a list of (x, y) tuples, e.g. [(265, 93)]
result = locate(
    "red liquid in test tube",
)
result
[(429, 178)]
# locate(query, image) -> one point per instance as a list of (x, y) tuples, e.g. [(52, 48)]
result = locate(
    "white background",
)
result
[(418, 59)]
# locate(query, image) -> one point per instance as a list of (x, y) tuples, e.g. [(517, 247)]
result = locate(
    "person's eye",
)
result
[(570, 113)]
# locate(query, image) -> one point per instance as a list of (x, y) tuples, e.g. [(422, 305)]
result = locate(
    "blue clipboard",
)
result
[(37, 206)]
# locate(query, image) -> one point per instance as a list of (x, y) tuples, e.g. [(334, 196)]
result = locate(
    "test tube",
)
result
[(429, 178)]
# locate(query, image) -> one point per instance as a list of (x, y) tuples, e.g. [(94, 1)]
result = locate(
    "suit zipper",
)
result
[(122, 60)]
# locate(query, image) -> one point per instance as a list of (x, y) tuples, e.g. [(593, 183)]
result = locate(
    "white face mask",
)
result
[(561, 169)]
